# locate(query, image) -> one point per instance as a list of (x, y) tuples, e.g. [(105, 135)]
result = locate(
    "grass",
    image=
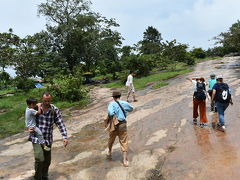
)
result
[(160, 84), (12, 121), (158, 78), (207, 59), (7, 91)]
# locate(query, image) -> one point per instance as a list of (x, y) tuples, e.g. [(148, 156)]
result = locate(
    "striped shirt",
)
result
[(45, 122)]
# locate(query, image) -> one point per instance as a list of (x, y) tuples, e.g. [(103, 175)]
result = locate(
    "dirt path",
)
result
[(163, 141)]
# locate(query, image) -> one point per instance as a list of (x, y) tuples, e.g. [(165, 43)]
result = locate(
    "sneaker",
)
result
[(135, 100), (46, 148), (201, 125), (221, 128), (194, 121)]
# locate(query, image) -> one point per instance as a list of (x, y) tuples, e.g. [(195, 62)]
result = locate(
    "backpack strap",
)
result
[(122, 109)]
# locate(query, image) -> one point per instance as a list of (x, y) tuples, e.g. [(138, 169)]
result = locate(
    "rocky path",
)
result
[(164, 144)]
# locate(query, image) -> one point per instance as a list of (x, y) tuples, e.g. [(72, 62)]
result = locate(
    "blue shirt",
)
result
[(211, 83), (114, 109)]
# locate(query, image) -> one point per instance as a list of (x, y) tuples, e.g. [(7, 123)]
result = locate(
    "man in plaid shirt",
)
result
[(49, 116)]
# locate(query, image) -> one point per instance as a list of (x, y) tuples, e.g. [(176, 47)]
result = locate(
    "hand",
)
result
[(30, 129), (65, 142)]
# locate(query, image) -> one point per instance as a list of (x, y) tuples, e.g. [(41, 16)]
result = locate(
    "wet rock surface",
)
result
[(164, 143)]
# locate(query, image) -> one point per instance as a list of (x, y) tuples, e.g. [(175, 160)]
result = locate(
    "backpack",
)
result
[(200, 93), (223, 93)]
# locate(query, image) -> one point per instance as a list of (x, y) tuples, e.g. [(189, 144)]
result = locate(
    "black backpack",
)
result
[(200, 93), (223, 93)]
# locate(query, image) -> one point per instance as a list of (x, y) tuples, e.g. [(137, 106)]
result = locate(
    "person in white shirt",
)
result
[(130, 87)]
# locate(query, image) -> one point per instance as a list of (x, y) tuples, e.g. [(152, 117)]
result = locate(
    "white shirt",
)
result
[(129, 80)]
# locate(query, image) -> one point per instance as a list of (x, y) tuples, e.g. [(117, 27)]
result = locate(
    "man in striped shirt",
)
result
[(49, 116)]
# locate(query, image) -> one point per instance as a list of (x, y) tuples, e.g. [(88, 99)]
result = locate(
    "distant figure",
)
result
[(222, 96), (50, 115), (199, 100), (120, 109), (211, 82), (130, 87), (30, 115)]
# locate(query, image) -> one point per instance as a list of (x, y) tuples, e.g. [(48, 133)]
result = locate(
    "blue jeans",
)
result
[(221, 107)]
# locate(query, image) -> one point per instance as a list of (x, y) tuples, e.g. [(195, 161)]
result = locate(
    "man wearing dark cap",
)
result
[(222, 96), (120, 109)]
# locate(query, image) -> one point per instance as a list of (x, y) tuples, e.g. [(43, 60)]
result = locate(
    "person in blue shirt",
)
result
[(211, 82), (120, 109)]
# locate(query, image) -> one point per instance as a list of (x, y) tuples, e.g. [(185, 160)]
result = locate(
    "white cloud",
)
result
[(191, 22)]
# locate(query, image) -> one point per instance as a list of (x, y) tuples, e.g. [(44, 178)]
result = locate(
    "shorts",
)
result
[(130, 89)]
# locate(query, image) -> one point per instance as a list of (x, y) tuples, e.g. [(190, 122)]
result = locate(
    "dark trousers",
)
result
[(42, 161)]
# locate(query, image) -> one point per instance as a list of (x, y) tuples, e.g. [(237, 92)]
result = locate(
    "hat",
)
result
[(219, 77), (116, 93)]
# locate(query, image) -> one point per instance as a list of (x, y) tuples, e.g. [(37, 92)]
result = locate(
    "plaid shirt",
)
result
[(45, 122)]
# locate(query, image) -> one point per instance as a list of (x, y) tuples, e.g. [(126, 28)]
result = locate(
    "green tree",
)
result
[(26, 60), (78, 33), (198, 53), (8, 42), (151, 42), (230, 40)]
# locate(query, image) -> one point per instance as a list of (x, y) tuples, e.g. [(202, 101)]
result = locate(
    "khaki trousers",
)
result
[(121, 132)]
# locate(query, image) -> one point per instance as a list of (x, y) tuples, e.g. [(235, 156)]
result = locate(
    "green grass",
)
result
[(6, 91), (160, 84), (207, 59), (13, 121), (141, 83)]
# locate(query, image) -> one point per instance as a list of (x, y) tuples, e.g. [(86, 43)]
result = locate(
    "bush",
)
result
[(23, 83), (68, 88), (198, 53), (140, 64), (4, 79)]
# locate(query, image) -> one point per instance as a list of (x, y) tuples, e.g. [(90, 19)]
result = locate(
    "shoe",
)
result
[(201, 125), (135, 100), (223, 128), (46, 148), (194, 121)]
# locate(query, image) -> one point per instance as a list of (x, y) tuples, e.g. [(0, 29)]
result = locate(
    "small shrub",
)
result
[(23, 83), (68, 88)]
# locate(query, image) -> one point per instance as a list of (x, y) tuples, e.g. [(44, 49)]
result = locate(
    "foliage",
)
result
[(151, 42), (230, 40), (80, 36), (198, 53), (8, 41), (23, 83), (4, 79), (68, 88), (140, 64)]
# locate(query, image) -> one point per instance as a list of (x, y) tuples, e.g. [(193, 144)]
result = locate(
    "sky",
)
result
[(192, 22)]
